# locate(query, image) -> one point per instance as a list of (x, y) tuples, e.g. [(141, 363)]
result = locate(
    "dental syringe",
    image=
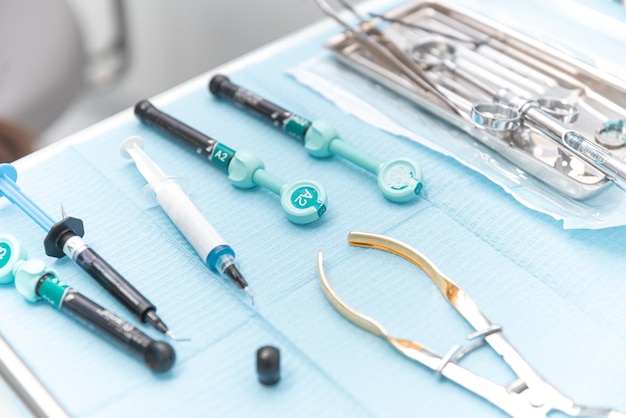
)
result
[(35, 281), (203, 237), (65, 238), (302, 201), (399, 180)]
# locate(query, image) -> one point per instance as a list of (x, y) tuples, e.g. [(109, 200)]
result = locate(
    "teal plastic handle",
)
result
[(15, 266), (302, 201), (399, 180), (11, 253)]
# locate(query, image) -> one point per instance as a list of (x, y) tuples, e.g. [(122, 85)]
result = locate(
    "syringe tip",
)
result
[(153, 319), (247, 290), (173, 337), (235, 275)]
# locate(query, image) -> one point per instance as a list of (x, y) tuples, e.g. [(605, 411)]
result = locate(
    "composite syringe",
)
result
[(203, 237), (35, 281), (303, 201), (65, 238), (399, 179)]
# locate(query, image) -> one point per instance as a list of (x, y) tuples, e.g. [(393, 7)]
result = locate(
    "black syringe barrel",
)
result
[(90, 261), (148, 113), (220, 85), (293, 124), (65, 238), (159, 356)]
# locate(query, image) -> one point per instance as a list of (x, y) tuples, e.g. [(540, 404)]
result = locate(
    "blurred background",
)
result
[(66, 64)]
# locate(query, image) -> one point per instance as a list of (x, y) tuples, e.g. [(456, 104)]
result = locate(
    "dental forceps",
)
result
[(549, 116), (528, 396), (380, 46)]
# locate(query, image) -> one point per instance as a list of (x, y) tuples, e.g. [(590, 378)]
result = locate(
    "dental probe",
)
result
[(65, 238), (400, 180), (206, 241)]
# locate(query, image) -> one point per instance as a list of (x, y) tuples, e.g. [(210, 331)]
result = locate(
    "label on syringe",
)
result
[(222, 155), (53, 290), (297, 126), (73, 247), (246, 97)]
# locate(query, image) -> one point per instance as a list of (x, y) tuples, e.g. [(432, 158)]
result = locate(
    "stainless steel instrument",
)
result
[(553, 116), (527, 396), (26, 386)]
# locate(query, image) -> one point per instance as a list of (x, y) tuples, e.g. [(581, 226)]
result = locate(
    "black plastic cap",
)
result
[(159, 356), (142, 107), (53, 244), (216, 82), (268, 365)]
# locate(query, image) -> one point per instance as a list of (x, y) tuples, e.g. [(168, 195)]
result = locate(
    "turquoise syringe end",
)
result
[(27, 276), (399, 180), (15, 265), (302, 201), (11, 252)]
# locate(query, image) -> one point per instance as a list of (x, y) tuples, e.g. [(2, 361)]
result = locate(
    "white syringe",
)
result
[(206, 241)]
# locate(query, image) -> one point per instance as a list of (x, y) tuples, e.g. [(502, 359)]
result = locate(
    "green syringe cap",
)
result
[(303, 201), (11, 252), (400, 180), (27, 275), (242, 167)]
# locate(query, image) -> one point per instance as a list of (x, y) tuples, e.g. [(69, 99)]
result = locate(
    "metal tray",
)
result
[(501, 57)]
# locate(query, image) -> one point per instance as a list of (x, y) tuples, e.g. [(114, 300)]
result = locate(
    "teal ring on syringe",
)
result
[(302, 201), (400, 180)]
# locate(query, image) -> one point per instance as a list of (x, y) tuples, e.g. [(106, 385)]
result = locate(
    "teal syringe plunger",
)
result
[(65, 238), (35, 281), (400, 180), (302, 201), (206, 241)]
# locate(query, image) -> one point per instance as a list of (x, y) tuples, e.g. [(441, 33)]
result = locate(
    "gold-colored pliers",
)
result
[(528, 396)]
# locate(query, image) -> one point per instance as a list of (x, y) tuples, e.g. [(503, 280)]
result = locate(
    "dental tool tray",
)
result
[(574, 92)]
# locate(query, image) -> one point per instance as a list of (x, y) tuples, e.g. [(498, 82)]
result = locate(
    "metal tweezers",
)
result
[(528, 396), (380, 46)]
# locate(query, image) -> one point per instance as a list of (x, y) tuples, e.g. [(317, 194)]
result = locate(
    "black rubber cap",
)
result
[(159, 356), (67, 227), (142, 107), (268, 365), (216, 82)]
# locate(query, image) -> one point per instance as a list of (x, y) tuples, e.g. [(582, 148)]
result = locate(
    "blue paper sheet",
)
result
[(558, 294)]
